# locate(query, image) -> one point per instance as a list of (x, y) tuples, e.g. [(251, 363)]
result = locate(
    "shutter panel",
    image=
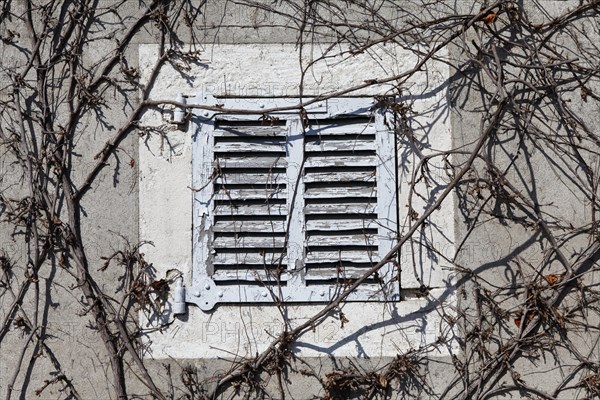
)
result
[(249, 203), (288, 213), (340, 199)]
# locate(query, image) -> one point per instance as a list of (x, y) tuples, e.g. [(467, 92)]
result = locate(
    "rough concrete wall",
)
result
[(138, 182), (109, 221), (512, 249)]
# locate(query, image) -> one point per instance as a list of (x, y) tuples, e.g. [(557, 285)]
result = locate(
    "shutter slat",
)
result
[(250, 131), (347, 128), (251, 178), (249, 147), (340, 224), (249, 226), (340, 176), (244, 258), (359, 256), (340, 208), (252, 209), (340, 192), (333, 273), (351, 144), (249, 242), (266, 194), (340, 161), (341, 240), (233, 161), (248, 275)]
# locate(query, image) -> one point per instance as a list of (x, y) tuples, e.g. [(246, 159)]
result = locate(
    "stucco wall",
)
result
[(144, 195)]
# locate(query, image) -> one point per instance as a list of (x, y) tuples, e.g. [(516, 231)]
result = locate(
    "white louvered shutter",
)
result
[(249, 203), (340, 181), (292, 210)]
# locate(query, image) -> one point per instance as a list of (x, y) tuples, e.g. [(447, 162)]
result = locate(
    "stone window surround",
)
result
[(374, 329)]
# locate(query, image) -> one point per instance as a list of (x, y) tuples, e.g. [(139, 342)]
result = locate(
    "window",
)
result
[(290, 209), (165, 211)]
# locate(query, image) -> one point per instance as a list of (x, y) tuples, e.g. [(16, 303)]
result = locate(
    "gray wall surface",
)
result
[(494, 108)]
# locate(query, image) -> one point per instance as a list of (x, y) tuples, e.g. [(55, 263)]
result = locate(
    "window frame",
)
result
[(204, 292)]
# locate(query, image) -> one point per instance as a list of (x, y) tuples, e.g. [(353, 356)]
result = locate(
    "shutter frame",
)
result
[(209, 287)]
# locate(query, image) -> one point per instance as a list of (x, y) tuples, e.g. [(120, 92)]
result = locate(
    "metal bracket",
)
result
[(207, 295), (208, 100)]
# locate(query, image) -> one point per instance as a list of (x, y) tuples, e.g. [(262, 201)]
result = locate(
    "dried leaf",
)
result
[(518, 316), (552, 279), (490, 18)]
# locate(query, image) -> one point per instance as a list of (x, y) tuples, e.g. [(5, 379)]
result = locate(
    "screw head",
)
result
[(264, 294), (322, 293), (261, 105), (220, 294), (206, 113), (207, 286), (197, 293)]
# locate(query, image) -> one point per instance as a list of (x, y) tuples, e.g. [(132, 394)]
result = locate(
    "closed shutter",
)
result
[(249, 203), (291, 210), (340, 180)]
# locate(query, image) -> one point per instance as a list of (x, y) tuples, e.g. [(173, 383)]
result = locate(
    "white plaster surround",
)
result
[(165, 211)]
